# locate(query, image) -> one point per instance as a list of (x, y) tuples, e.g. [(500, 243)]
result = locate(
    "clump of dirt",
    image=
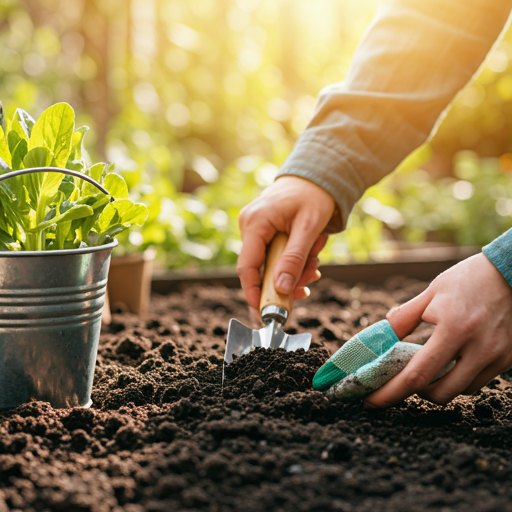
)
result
[(166, 433)]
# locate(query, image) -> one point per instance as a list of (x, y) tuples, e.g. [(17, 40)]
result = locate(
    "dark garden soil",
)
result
[(164, 435)]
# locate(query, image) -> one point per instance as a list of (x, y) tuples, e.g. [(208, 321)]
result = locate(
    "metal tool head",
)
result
[(242, 339), (274, 309)]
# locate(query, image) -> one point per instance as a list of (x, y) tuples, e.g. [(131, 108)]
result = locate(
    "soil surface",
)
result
[(164, 434)]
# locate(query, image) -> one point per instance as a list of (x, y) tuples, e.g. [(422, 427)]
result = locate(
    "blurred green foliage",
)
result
[(472, 207), (199, 101)]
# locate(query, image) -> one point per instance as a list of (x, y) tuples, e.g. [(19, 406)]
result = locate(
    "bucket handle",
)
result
[(76, 174)]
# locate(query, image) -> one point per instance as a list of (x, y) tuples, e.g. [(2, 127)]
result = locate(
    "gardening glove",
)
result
[(366, 362)]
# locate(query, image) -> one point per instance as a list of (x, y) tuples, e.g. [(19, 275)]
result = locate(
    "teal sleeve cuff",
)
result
[(499, 251)]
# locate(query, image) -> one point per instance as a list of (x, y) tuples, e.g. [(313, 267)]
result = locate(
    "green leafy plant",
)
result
[(48, 210)]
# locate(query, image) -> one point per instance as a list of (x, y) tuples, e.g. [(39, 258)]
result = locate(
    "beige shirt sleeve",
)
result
[(412, 61)]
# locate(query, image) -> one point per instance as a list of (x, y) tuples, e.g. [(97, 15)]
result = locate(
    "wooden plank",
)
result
[(424, 265)]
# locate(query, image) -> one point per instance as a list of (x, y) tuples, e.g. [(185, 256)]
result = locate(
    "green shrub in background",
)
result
[(472, 207), (200, 229)]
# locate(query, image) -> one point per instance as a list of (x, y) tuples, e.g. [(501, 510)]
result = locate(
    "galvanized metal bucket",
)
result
[(50, 320)]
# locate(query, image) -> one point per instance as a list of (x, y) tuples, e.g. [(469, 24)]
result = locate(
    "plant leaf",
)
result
[(95, 239), (96, 173), (75, 160), (85, 227), (73, 213), (3, 166), (18, 129), (67, 186), (37, 157), (5, 154), (25, 120), (13, 140), (19, 154), (54, 131), (2, 117), (124, 212), (95, 201), (77, 142), (116, 185), (74, 195), (49, 185), (46, 210), (61, 233), (7, 242)]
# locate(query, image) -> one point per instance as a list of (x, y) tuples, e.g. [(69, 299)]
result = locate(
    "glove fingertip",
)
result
[(361, 349), (326, 376)]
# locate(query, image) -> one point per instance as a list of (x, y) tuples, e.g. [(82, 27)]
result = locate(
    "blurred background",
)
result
[(198, 103)]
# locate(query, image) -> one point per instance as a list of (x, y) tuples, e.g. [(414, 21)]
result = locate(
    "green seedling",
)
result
[(52, 211)]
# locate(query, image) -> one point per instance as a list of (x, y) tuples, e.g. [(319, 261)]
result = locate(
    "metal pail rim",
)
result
[(60, 252)]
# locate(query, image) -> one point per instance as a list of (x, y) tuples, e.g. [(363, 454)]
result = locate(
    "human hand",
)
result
[(290, 205), (471, 307)]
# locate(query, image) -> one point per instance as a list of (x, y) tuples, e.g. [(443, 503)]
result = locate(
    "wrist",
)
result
[(335, 223)]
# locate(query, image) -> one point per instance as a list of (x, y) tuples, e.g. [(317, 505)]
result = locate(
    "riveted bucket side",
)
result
[(50, 321)]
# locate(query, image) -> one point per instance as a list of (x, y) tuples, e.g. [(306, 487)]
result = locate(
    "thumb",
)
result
[(290, 265), (405, 318)]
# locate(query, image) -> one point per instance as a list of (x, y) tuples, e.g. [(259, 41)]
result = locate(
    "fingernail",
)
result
[(368, 405), (285, 283)]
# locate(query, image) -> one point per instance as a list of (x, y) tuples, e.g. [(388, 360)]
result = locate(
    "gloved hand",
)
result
[(366, 362)]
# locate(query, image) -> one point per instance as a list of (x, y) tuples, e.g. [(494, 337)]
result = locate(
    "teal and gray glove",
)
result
[(375, 355), (365, 363)]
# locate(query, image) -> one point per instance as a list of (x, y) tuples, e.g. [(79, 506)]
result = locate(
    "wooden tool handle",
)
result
[(269, 296)]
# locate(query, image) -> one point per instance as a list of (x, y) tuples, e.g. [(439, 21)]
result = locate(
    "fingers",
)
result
[(319, 245), (304, 236), (310, 273), (251, 259), (301, 293), (250, 278), (418, 374), (483, 378), (405, 318), (455, 381)]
